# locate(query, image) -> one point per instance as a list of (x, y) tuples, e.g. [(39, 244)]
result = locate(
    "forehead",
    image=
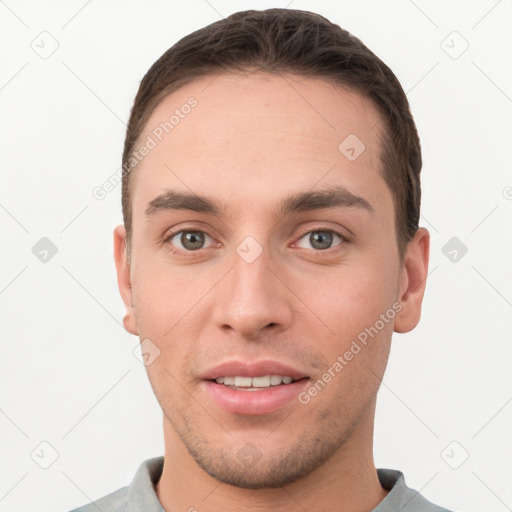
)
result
[(260, 135)]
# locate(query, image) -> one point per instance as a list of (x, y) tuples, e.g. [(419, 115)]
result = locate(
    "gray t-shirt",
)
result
[(140, 495)]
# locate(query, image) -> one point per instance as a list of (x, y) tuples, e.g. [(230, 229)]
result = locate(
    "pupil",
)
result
[(321, 239), (192, 240)]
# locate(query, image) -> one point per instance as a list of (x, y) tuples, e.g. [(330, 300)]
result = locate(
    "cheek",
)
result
[(355, 353), (350, 298), (164, 294), (166, 316), (171, 304), (357, 307)]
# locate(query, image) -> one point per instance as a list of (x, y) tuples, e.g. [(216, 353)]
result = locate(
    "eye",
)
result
[(188, 240), (321, 239)]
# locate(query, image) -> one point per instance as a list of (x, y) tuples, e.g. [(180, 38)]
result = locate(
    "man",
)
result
[(270, 247)]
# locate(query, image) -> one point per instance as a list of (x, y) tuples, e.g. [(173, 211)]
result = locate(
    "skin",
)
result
[(253, 140)]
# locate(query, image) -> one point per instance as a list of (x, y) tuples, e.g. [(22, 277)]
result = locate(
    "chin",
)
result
[(253, 469)]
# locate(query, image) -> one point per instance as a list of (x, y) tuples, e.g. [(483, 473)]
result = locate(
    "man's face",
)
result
[(257, 290)]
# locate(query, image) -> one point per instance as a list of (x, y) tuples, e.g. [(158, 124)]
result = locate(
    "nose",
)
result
[(252, 298)]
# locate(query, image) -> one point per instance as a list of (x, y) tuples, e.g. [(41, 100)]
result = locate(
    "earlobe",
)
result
[(123, 278), (413, 281)]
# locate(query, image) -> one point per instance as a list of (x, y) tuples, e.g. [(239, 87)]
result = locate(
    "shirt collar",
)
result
[(141, 494)]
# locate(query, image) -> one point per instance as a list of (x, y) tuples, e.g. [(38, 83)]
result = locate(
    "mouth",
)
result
[(253, 388), (244, 383)]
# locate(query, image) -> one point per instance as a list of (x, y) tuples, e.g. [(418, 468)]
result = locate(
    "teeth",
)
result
[(243, 382), (275, 380), (261, 382), (254, 382)]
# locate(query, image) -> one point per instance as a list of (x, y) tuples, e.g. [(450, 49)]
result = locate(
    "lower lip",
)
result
[(260, 401)]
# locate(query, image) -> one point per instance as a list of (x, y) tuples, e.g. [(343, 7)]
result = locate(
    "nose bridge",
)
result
[(250, 270), (252, 297)]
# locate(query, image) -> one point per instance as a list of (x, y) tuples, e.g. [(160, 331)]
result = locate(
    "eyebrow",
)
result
[(332, 197)]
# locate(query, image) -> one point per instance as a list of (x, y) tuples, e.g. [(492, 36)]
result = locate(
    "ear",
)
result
[(123, 278), (413, 276)]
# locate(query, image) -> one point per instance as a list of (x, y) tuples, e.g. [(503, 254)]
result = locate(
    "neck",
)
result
[(347, 481)]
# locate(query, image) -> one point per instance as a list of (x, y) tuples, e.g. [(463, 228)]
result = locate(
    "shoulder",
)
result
[(139, 495), (113, 502)]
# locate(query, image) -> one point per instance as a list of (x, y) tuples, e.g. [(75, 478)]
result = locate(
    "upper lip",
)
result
[(252, 369)]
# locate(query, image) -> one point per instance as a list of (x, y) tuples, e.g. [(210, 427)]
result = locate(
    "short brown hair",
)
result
[(303, 43)]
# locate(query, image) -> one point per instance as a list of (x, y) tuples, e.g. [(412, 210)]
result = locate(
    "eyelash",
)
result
[(176, 250)]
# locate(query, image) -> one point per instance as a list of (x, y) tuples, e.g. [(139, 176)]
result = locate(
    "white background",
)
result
[(68, 373)]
